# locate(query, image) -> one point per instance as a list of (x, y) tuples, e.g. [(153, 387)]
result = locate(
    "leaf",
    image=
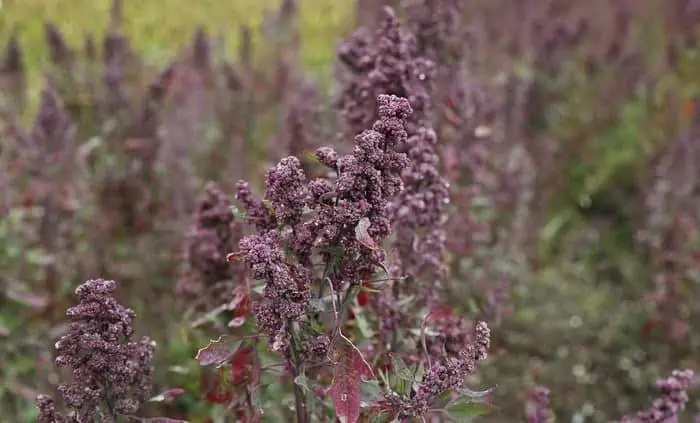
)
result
[(467, 393), (363, 325), (231, 257), (362, 235), (210, 316), (239, 298), (29, 299), (241, 363), (348, 373), (236, 322), (462, 410), (370, 391), (400, 369), (303, 381), (316, 305), (217, 354), (168, 395)]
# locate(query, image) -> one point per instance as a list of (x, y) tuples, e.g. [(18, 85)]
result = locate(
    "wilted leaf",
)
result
[(168, 395), (362, 235), (231, 257), (237, 322), (239, 296), (350, 369), (217, 352)]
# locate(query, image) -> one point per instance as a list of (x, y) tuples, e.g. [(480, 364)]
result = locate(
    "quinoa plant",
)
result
[(110, 375)]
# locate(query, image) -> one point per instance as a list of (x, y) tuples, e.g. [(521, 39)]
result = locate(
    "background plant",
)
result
[(559, 138)]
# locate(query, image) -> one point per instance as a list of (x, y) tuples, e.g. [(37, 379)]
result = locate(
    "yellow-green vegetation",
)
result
[(159, 27)]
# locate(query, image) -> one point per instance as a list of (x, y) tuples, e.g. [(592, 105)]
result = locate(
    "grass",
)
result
[(158, 28)]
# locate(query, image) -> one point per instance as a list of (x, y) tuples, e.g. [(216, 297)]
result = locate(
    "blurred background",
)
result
[(569, 131)]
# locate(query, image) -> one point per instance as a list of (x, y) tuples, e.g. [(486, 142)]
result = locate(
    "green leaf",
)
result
[(400, 369), (363, 325), (316, 305), (467, 393), (462, 410), (303, 381), (381, 417), (370, 391)]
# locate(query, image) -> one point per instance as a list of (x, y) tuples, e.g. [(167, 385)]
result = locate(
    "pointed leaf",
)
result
[(217, 352), (350, 369), (468, 393)]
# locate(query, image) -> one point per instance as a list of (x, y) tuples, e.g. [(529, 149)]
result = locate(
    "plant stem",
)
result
[(299, 397), (345, 303)]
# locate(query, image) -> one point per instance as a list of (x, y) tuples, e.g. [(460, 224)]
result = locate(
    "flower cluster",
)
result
[(384, 64), (390, 63), (420, 213), (444, 376), (538, 406), (438, 29), (345, 219), (674, 397), (111, 375), (209, 274)]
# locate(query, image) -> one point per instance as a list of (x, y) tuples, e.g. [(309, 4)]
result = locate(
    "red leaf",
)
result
[(240, 305), (240, 364), (215, 353), (350, 369), (220, 393)]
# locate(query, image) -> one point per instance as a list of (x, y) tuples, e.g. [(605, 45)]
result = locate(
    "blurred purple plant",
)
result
[(386, 63), (538, 409), (12, 76), (673, 399), (209, 278)]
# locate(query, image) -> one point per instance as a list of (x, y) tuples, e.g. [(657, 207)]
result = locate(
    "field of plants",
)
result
[(350, 211)]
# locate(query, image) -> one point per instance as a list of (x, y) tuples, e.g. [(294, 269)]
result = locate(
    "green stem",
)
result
[(299, 397)]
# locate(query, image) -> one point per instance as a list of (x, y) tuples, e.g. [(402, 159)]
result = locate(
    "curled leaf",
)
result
[(362, 235), (168, 395)]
